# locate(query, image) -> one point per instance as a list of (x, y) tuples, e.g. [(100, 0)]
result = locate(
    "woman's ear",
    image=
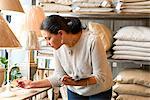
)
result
[(60, 32)]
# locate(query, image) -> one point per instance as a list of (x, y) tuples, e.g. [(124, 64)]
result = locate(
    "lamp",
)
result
[(7, 41), (11, 5), (33, 20), (7, 38)]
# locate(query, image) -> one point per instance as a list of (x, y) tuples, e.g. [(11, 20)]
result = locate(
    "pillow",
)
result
[(88, 5), (131, 57), (93, 4), (131, 97), (132, 89), (64, 2), (131, 48), (133, 33), (104, 32), (137, 76), (87, 1), (132, 0), (132, 43), (52, 7), (132, 53), (144, 3), (144, 10), (92, 10)]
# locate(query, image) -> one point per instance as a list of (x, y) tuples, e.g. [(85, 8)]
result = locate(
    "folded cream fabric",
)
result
[(88, 5), (138, 3), (136, 10), (136, 7), (132, 89), (131, 97), (131, 48), (93, 10), (132, 0), (132, 43), (64, 2), (104, 32), (52, 7), (134, 76), (93, 4), (87, 1), (132, 53), (133, 33), (131, 57)]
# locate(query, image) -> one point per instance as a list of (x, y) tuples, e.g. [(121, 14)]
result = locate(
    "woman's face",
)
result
[(53, 40)]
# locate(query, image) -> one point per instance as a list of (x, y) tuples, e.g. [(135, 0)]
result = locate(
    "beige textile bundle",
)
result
[(103, 31), (134, 76)]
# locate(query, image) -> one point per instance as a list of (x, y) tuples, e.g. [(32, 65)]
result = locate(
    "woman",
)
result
[(80, 60)]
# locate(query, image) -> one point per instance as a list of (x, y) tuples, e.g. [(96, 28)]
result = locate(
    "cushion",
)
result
[(64, 2), (131, 57), (86, 5), (132, 43), (131, 48), (131, 97), (132, 53), (132, 0), (144, 10), (137, 76), (94, 1), (104, 32), (138, 3), (136, 7), (133, 33), (92, 10), (51, 7), (132, 89)]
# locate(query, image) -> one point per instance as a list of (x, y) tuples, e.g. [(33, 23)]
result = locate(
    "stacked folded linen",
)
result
[(137, 6), (132, 84), (56, 5), (132, 42), (92, 6)]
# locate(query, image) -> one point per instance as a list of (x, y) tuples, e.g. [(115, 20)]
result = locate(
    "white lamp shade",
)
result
[(7, 37), (11, 5), (33, 19)]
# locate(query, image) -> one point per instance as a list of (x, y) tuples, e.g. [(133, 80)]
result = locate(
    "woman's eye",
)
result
[(47, 38)]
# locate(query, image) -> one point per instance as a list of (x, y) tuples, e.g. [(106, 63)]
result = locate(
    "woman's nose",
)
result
[(48, 43)]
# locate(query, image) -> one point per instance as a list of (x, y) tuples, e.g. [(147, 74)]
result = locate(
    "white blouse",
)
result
[(87, 58)]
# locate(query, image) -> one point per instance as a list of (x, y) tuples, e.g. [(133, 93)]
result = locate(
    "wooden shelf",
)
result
[(110, 15)]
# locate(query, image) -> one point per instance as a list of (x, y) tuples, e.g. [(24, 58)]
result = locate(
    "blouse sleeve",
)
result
[(101, 69), (58, 72)]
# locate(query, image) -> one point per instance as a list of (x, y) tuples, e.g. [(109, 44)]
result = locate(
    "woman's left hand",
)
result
[(67, 80)]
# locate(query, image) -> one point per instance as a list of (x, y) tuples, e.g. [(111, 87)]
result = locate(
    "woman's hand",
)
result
[(24, 83), (67, 80)]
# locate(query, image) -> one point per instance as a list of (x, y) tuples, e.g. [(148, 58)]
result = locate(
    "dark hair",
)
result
[(54, 23)]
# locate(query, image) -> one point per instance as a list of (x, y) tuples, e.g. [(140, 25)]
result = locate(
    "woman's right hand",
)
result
[(24, 83)]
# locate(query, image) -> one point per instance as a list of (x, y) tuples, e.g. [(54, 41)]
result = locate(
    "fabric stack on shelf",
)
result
[(132, 43), (137, 6), (92, 6), (56, 6), (105, 34), (132, 84)]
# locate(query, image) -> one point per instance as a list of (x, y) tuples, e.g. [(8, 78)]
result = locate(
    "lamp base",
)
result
[(7, 94)]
